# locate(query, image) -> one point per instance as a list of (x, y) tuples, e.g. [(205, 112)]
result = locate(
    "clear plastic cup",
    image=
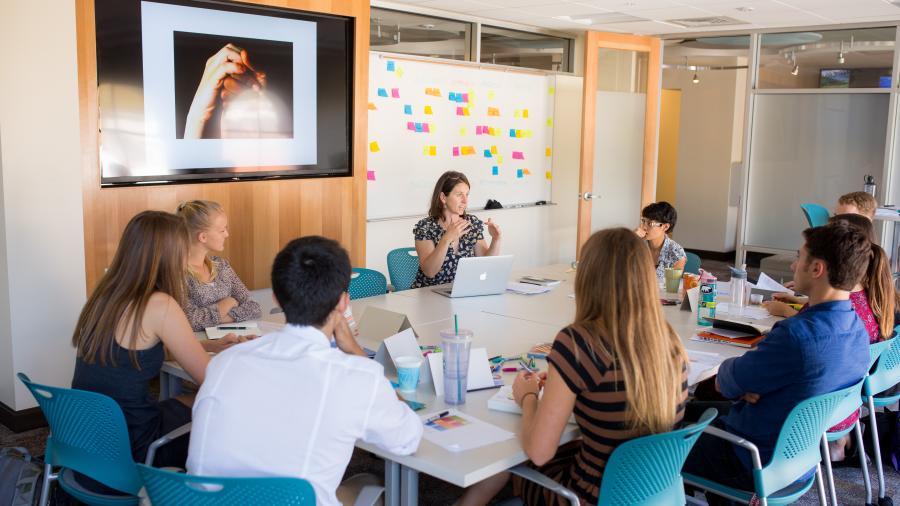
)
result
[(408, 372), (673, 279), (456, 347)]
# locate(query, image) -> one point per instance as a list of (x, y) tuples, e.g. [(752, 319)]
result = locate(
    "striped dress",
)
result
[(600, 404)]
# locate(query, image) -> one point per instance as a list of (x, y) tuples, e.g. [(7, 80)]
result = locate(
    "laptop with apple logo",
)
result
[(479, 276)]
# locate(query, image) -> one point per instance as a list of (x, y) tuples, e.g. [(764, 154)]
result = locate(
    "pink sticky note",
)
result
[(517, 155), (460, 111), (395, 92), (455, 150), (370, 175), (410, 126), (425, 127), (465, 97), (478, 130)]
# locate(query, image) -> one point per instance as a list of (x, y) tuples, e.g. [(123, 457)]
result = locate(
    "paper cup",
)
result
[(408, 372)]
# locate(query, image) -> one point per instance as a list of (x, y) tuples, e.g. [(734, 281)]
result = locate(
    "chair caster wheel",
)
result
[(885, 501)]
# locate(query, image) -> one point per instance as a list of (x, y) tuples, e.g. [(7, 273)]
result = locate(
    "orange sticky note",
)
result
[(373, 147), (372, 107), (549, 175), (468, 150), (434, 92), (428, 109), (493, 150), (548, 151), (526, 172), (493, 111)]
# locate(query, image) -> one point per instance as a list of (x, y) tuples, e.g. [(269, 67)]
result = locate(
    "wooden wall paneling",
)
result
[(263, 215)]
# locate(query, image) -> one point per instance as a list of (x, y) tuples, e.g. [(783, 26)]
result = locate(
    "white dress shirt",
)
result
[(287, 404)]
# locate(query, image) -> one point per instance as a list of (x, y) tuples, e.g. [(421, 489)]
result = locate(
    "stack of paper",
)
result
[(703, 365), (526, 288), (456, 431)]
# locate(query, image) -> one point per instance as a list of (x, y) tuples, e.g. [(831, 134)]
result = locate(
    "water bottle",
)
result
[(738, 286), (869, 185), (706, 305)]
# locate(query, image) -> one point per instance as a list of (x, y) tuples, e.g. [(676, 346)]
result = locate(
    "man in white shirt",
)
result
[(287, 403)]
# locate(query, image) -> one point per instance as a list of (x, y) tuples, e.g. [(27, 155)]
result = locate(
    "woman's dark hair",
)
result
[(662, 212), (445, 185), (308, 277), (878, 280)]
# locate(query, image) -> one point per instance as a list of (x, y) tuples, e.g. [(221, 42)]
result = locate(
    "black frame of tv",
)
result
[(119, 48)]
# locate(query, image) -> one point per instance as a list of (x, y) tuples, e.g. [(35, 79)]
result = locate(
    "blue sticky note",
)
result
[(418, 127), (407, 109), (519, 173), (495, 171), (452, 97), (487, 153), (391, 67), (382, 92), (512, 132)]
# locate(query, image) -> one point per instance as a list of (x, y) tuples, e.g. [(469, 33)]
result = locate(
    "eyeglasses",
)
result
[(650, 223)]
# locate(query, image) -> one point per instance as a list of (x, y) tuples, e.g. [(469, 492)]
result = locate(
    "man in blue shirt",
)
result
[(820, 350)]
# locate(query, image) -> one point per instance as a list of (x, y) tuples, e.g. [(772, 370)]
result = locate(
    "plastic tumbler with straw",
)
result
[(456, 344)]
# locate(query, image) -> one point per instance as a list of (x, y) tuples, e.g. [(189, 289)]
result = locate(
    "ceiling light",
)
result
[(744, 9), (428, 26), (840, 57), (696, 79)]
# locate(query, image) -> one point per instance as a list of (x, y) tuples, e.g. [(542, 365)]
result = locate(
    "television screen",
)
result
[(202, 91), (884, 81), (834, 78)]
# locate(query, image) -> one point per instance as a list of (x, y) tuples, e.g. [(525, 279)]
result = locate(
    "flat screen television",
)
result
[(834, 78), (201, 91)]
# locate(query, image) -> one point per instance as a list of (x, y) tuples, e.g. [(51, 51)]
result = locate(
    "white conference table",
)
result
[(506, 324)]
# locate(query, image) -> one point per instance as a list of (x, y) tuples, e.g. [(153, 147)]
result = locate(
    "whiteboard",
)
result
[(426, 118)]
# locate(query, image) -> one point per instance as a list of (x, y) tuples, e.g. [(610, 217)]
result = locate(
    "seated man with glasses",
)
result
[(657, 221)]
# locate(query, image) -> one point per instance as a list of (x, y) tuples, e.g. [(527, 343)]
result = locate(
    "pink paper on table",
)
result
[(395, 92), (517, 155), (370, 175)]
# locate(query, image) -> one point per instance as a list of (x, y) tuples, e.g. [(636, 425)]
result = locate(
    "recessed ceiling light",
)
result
[(428, 26), (744, 9)]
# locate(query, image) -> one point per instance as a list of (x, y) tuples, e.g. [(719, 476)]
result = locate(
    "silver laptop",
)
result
[(479, 276)]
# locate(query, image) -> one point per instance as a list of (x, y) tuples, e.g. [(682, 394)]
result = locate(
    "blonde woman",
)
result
[(132, 315), (620, 368), (216, 294)]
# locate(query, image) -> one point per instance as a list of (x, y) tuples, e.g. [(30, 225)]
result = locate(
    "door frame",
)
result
[(593, 42)]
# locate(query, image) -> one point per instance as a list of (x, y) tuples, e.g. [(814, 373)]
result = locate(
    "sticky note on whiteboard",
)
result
[(428, 109), (410, 126), (407, 109), (382, 92), (519, 173), (495, 171), (549, 151), (426, 128), (372, 107), (395, 92), (493, 111), (390, 66), (370, 175), (517, 155), (373, 147), (455, 150)]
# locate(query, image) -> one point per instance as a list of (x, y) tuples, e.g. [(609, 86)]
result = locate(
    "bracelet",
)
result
[(526, 395)]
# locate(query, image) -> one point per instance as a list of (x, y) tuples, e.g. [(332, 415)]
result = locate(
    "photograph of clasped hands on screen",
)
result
[(232, 87)]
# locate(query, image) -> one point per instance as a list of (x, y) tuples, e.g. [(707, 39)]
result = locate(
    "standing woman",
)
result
[(657, 222), (215, 292), (620, 368), (448, 233), (134, 313)]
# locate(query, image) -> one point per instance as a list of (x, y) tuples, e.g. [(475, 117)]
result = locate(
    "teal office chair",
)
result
[(849, 406), (883, 378), (693, 263), (816, 215), (366, 283), (167, 488), (88, 435), (645, 470), (403, 264), (796, 452)]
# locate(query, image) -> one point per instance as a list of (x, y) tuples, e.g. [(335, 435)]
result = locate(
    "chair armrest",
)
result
[(535, 477), (368, 495), (739, 441), (168, 438)]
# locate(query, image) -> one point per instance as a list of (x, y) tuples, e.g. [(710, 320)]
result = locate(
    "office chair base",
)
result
[(885, 501)]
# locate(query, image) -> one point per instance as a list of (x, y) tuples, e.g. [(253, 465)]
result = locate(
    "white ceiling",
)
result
[(655, 16)]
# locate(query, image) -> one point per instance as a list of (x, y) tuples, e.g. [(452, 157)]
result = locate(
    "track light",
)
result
[(796, 70), (840, 57), (696, 79)]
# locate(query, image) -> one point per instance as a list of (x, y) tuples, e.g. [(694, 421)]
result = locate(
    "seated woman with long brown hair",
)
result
[(620, 368), (132, 315)]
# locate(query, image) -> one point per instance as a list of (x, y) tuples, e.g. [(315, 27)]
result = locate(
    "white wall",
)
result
[(42, 287), (709, 146)]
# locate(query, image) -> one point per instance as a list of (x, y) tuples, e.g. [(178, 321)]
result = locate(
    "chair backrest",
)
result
[(366, 283), (887, 370), (797, 447), (166, 488), (693, 263), (647, 470), (403, 264), (87, 434), (816, 215)]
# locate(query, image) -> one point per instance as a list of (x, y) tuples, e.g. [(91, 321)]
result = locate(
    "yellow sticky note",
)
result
[(427, 109), (462, 131), (499, 159), (493, 150), (517, 114), (432, 150), (548, 151), (425, 150), (527, 134), (549, 175), (466, 112), (518, 134), (372, 107), (552, 90), (399, 72), (524, 113), (549, 122), (373, 147), (491, 95)]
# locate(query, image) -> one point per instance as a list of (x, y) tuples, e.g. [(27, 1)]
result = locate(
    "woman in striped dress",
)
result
[(620, 368)]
